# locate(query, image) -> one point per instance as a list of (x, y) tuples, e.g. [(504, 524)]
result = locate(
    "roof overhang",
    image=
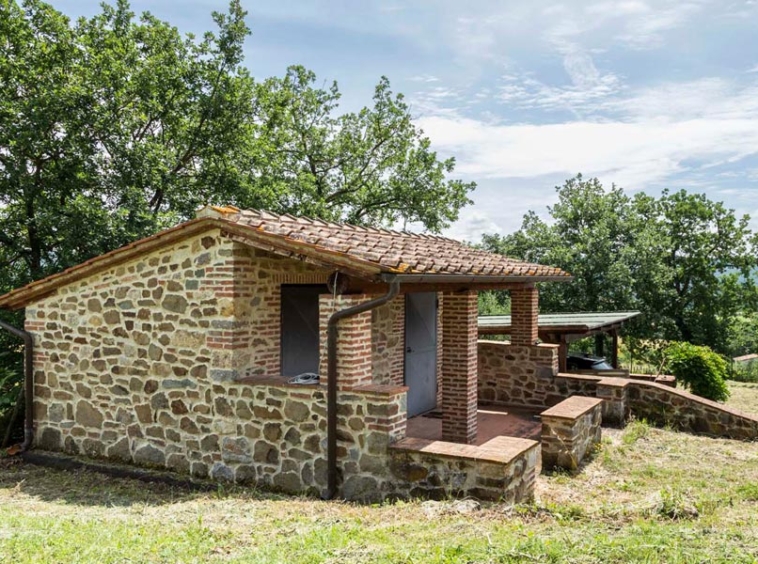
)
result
[(20, 297), (286, 246), (575, 324)]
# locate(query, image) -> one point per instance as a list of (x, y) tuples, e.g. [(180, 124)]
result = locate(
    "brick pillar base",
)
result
[(354, 359), (524, 308), (459, 367)]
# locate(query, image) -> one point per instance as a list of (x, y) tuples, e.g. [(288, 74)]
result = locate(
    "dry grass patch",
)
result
[(744, 396)]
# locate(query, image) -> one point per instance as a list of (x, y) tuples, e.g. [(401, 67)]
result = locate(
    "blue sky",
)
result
[(525, 94)]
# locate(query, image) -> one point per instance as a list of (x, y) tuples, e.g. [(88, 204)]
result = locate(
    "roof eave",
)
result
[(473, 278), (23, 296)]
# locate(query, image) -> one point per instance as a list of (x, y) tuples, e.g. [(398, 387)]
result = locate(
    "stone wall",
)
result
[(518, 375), (142, 362), (502, 469), (266, 435), (570, 432), (522, 376), (205, 309), (681, 410)]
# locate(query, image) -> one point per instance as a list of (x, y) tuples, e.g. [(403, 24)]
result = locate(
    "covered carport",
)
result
[(565, 328)]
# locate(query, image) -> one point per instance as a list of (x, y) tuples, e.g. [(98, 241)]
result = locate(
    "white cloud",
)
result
[(581, 69), (629, 23), (615, 9), (587, 87), (711, 97), (690, 135), (472, 225), (633, 154), (424, 78)]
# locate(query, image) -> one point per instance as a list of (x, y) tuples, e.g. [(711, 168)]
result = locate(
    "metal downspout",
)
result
[(331, 400), (28, 382)]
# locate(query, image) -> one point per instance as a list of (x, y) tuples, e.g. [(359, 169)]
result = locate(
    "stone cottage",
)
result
[(195, 350), (179, 351)]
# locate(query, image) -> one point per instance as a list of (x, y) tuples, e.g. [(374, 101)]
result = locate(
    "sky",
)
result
[(525, 94)]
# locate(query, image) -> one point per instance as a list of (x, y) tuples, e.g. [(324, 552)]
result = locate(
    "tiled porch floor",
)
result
[(493, 421)]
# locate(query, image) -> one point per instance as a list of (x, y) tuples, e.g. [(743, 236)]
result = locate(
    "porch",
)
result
[(492, 421)]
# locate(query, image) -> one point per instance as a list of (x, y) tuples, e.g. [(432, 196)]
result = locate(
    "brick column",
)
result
[(524, 305), (459, 367), (354, 358)]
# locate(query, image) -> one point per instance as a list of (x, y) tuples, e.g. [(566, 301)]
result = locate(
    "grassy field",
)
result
[(650, 495)]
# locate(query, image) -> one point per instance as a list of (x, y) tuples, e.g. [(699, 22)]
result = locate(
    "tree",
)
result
[(681, 259), (371, 167), (743, 337), (110, 129), (588, 236), (693, 266), (113, 128)]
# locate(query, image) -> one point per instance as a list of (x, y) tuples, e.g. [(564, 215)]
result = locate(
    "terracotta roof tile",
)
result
[(413, 253), (367, 250)]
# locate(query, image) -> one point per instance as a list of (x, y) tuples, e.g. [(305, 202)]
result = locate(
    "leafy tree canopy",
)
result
[(114, 127), (682, 259)]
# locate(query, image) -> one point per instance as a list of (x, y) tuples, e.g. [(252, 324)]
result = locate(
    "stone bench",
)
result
[(570, 430), (502, 469)]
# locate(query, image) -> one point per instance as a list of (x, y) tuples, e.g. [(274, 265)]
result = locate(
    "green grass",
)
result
[(651, 495)]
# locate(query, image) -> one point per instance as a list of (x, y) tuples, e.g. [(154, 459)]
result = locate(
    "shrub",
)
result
[(701, 370)]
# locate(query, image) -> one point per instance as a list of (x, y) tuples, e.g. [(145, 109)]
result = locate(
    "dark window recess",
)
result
[(300, 336)]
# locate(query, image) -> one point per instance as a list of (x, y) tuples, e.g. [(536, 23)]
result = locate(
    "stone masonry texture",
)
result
[(140, 363), (570, 432), (171, 361), (527, 376)]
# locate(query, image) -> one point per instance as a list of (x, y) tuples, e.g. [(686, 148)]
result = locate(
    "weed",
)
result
[(749, 491), (636, 430), (672, 503)]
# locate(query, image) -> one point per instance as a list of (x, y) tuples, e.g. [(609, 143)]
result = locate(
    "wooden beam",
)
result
[(599, 344), (615, 349)]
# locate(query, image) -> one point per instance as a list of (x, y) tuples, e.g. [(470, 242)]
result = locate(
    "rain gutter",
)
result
[(331, 402)]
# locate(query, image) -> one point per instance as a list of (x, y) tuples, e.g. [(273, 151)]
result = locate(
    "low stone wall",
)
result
[(527, 376), (570, 430), (613, 392), (269, 434), (665, 379), (681, 410), (503, 469)]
